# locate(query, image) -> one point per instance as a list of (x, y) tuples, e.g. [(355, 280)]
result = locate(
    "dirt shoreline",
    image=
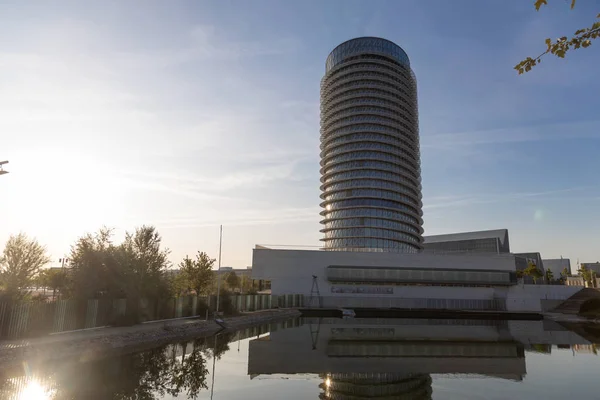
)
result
[(106, 342)]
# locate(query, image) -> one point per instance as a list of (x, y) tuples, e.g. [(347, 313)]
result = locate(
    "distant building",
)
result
[(492, 241), (575, 281), (238, 271), (522, 261), (592, 267), (557, 265)]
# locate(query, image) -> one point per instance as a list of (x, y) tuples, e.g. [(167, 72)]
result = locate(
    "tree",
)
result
[(144, 263), (549, 276), (533, 271), (247, 285), (233, 281), (95, 267), (565, 272), (57, 280), (581, 38), (586, 274), (196, 275), (20, 262), (135, 268)]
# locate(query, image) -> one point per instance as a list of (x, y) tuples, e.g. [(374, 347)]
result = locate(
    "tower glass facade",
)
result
[(370, 161)]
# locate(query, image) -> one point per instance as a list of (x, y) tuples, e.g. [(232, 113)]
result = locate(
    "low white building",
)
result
[(401, 280)]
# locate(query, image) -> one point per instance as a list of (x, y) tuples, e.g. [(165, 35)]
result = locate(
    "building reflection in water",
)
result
[(346, 386), (394, 359)]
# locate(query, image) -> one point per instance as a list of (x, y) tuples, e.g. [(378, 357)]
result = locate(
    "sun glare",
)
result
[(35, 391)]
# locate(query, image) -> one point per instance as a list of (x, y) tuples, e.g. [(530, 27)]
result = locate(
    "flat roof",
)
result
[(501, 234)]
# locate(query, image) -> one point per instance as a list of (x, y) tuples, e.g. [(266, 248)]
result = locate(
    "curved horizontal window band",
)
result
[(368, 105), (371, 223), (407, 132), (364, 79), (375, 64), (341, 88), (369, 146), (353, 194), (405, 76), (365, 140), (394, 131), (369, 184), (370, 213), (361, 202), (374, 110), (371, 232), (372, 63), (392, 80), (370, 244), (411, 169), (370, 93), (350, 170)]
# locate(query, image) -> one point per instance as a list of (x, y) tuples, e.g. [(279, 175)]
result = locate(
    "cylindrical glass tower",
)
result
[(370, 162)]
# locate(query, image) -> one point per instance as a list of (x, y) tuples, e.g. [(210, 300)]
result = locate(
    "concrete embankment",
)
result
[(94, 344)]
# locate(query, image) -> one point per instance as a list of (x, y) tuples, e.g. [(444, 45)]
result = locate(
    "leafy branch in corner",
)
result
[(581, 38)]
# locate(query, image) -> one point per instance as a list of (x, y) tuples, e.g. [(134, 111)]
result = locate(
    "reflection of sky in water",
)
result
[(562, 374)]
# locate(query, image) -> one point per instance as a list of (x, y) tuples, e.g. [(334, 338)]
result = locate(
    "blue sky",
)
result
[(189, 114)]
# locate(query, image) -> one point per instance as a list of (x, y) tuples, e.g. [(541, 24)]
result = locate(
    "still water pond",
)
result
[(337, 359)]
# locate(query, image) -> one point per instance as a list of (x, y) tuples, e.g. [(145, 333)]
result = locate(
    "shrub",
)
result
[(226, 305)]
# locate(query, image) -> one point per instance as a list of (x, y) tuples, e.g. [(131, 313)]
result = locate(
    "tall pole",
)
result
[(219, 270)]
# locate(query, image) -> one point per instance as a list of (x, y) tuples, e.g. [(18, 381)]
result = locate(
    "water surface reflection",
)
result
[(332, 359)]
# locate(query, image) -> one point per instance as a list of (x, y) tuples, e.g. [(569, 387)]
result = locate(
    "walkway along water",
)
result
[(104, 342)]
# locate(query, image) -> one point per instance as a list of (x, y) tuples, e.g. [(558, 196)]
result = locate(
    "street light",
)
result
[(2, 171)]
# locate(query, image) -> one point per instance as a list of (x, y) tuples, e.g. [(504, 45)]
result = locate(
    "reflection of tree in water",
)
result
[(219, 345), (147, 375), (355, 386)]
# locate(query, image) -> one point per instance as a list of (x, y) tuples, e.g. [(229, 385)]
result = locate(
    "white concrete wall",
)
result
[(291, 271), (529, 297)]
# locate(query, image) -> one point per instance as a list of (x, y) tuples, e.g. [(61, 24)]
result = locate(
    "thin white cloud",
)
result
[(468, 200), (528, 133), (240, 217)]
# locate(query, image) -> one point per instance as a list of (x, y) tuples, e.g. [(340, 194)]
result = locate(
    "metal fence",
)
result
[(30, 319)]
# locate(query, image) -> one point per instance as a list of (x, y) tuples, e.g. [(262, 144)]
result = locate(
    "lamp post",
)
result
[(2, 171), (219, 271)]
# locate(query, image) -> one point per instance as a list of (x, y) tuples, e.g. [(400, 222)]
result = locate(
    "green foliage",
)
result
[(233, 281), (136, 268), (565, 272), (549, 276), (195, 275), (581, 38), (145, 263), (533, 271), (19, 264), (520, 273), (588, 276), (225, 303), (247, 285), (53, 278)]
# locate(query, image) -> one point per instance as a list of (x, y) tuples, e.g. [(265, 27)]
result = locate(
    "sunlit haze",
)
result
[(187, 115)]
